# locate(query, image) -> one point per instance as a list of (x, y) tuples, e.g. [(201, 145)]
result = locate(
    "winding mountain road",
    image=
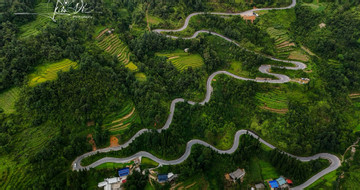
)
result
[(334, 160)]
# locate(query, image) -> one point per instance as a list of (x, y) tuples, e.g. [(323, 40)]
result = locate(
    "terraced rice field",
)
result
[(49, 71), (8, 99), (112, 44), (283, 43), (119, 122), (42, 19), (182, 60), (274, 101)]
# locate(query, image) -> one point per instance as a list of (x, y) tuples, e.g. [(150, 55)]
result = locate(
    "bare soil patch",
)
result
[(296, 55), (354, 95), (114, 141), (91, 141), (281, 111), (251, 18), (174, 57), (90, 123)]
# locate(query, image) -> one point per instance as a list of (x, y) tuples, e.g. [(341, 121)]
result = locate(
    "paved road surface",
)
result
[(334, 161)]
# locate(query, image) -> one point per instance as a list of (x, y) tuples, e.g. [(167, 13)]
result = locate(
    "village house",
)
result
[(237, 174)]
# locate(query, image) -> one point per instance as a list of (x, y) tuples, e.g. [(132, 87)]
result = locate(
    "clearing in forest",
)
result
[(182, 60), (114, 141), (116, 123), (274, 101), (140, 76), (112, 44), (42, 19), (49, 71), (8, 99)]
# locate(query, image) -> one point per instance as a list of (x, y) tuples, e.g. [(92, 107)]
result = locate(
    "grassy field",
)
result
[(140, 76), (274, 99), (49, 71), (325, 182), (261, 170), (154, 20), (148, 163), (116, 123), (112, 44), (182, 60), (42, 19), (8, 99)]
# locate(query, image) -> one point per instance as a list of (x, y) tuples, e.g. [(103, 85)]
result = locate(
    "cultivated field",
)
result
[(274, 101), (140, 76), (42, 19), (283, 43), (112, 44), (182, 60), (49, 71), (8, 99), (116, 123)]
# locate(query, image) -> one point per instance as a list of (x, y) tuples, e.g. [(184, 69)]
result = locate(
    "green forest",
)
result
[(70, 84)]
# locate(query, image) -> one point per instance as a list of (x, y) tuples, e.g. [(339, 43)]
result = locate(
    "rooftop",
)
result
[(281, 181), (273, 184), (237, 174)]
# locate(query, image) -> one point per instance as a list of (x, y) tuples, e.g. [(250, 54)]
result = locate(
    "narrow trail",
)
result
[(334, 160)]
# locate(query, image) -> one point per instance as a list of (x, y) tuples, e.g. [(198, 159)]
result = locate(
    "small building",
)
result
[(162, 178), (282, 183), (260, 186), (124, 172), (111, 183), (186, 50), (237, 174), (289, 181), (322, 25), (273, 184)]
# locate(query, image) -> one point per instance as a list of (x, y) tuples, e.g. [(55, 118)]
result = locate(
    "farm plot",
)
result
[(49, 71), (118, 122), (182, 60), (8, 99), (274, 101), (44, 11), (283, 43), (112, 44)]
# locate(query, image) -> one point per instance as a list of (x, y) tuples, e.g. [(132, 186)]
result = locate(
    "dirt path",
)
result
[(281, 111), (354, 95), (353, 145), (125, 117)]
